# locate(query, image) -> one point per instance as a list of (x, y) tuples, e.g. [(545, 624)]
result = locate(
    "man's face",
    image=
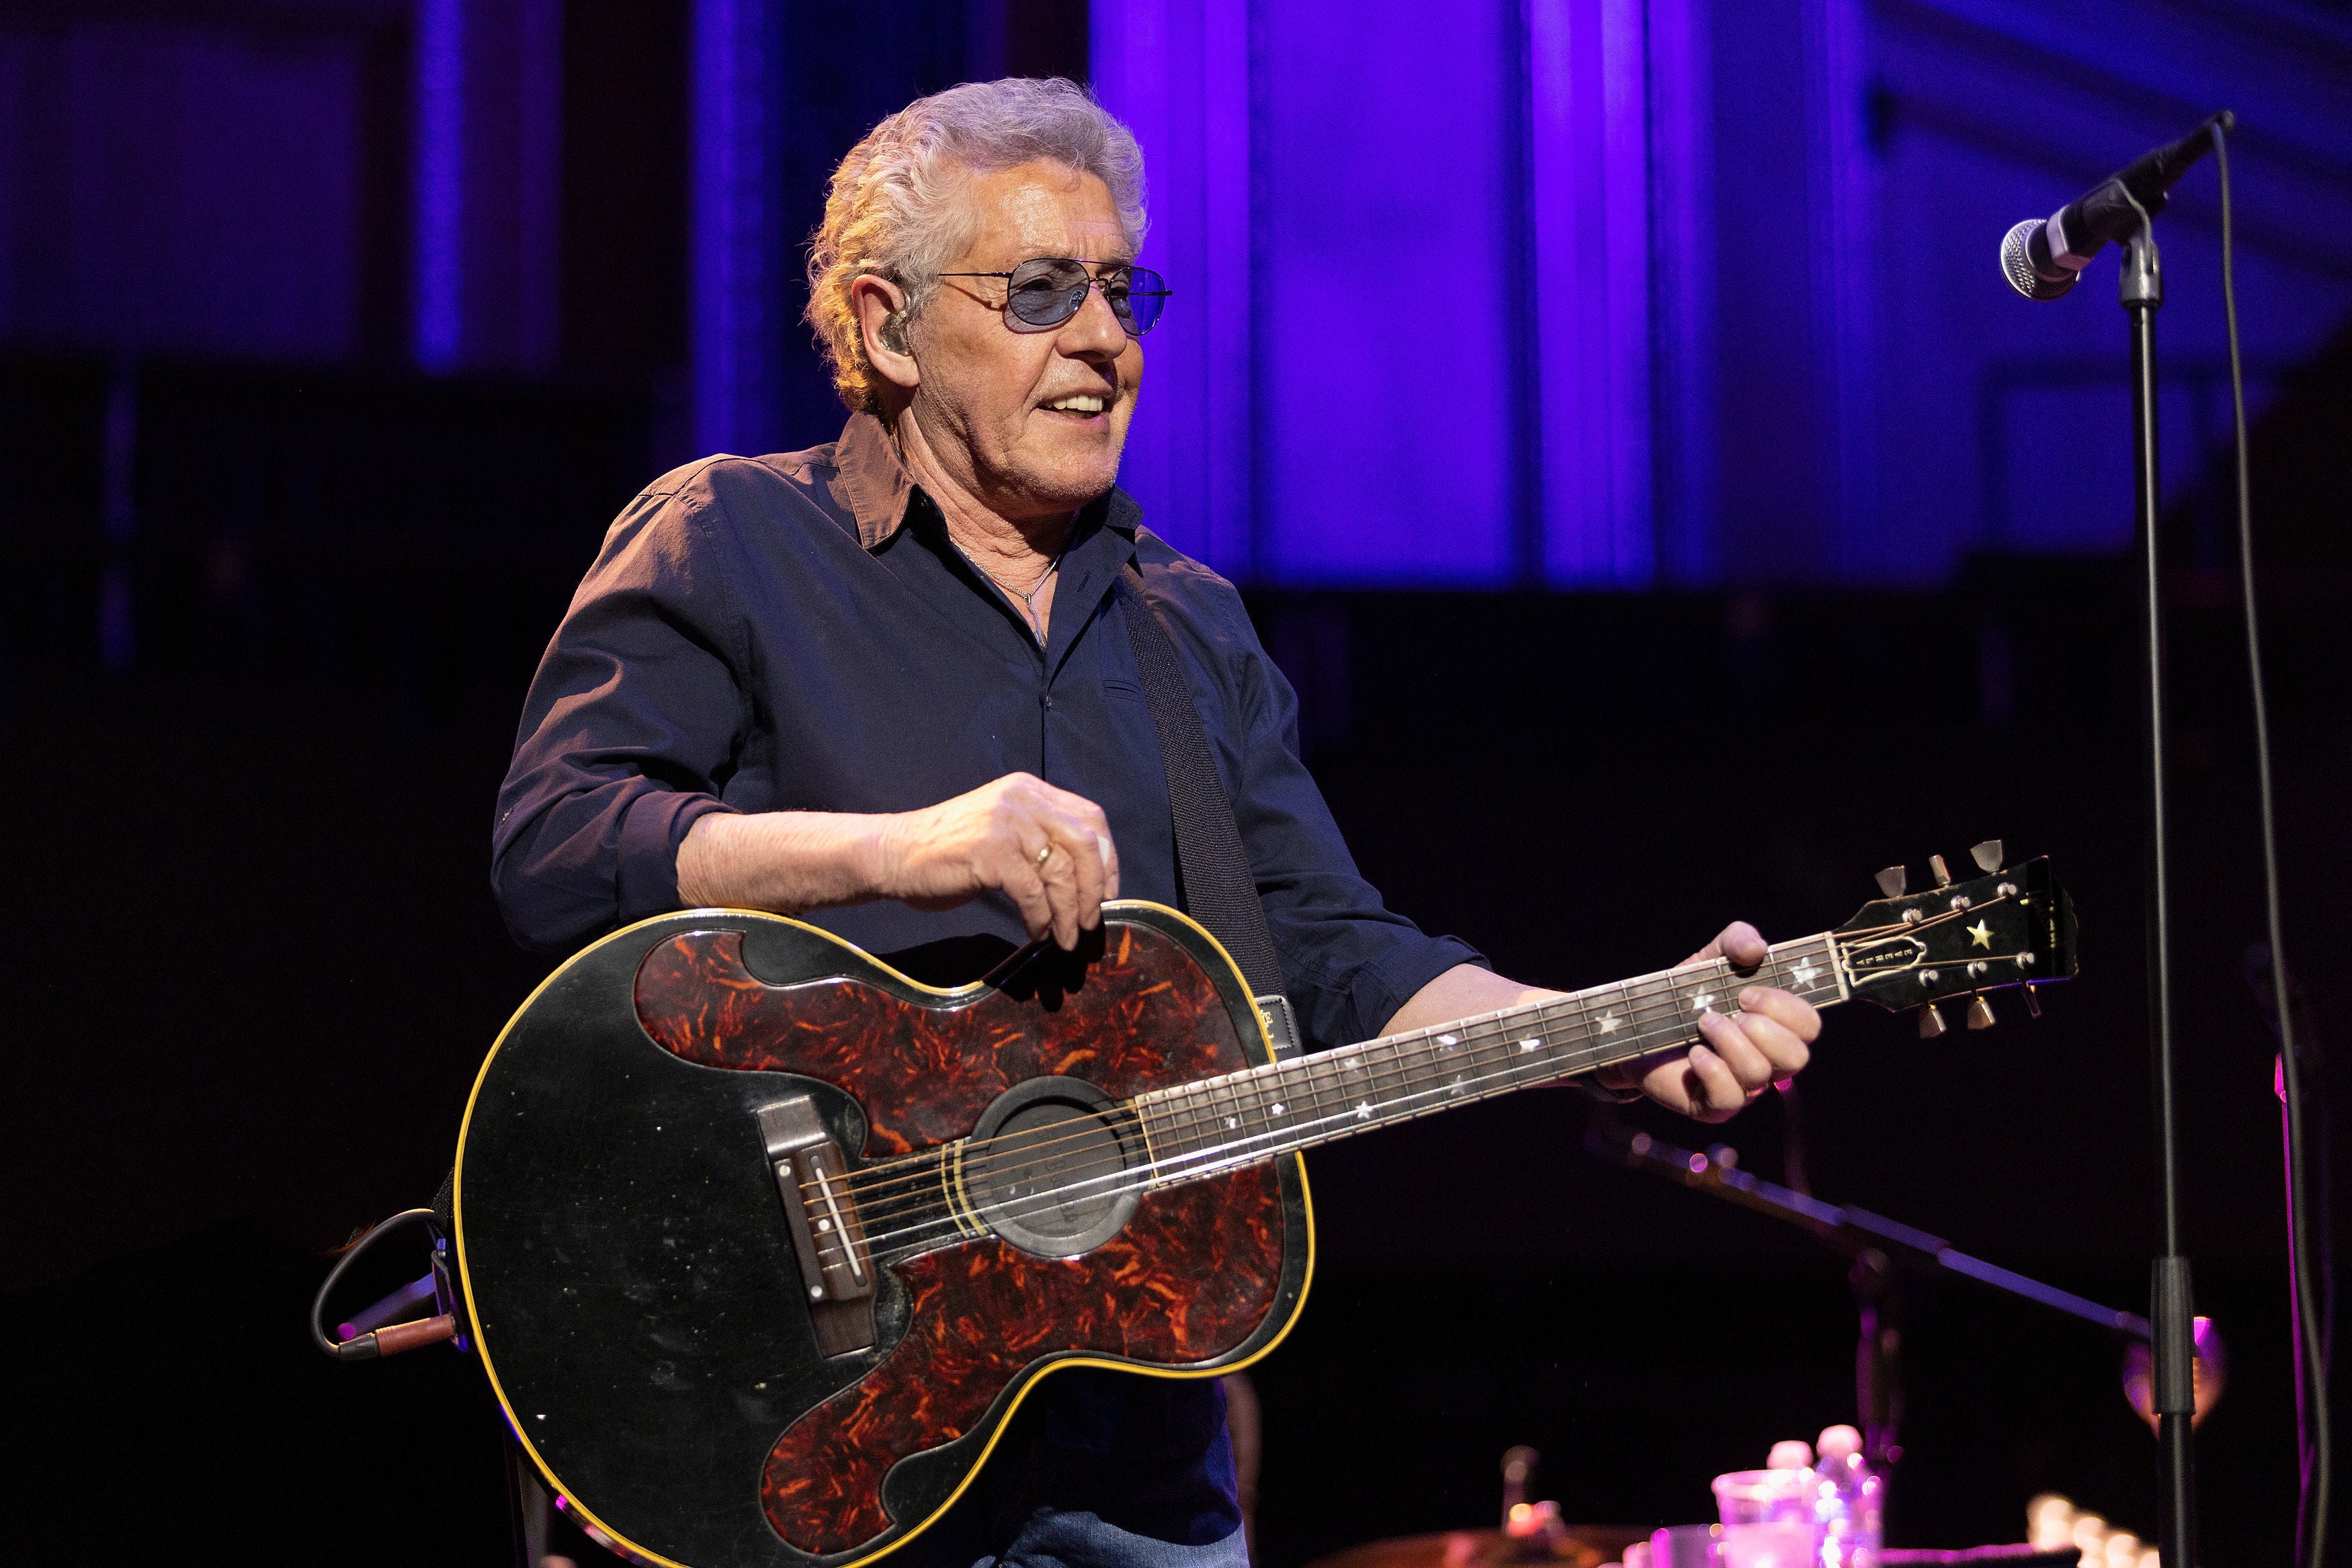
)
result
[(1031, 421)]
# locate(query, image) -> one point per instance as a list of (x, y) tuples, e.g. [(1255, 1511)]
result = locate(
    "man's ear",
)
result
[(881, 309)]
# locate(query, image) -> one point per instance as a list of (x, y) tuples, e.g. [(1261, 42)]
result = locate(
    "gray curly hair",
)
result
[(892, 209)]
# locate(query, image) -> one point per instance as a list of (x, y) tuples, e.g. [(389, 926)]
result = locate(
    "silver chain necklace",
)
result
[(1029, 599)]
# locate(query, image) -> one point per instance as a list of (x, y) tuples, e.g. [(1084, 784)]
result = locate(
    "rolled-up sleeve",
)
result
[(1349, 961), (628, 735)]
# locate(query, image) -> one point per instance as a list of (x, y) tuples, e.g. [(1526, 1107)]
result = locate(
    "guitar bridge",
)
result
[(836, 1265)]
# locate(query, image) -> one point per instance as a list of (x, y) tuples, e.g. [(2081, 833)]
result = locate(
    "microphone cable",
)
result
[(2311, 1441)]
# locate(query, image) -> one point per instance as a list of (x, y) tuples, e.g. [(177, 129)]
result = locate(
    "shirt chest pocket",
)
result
[(1123, 691)]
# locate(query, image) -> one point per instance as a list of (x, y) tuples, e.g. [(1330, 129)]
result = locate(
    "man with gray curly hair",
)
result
[(888, 685)]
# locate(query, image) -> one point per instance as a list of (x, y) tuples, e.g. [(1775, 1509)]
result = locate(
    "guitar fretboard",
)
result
[(1194, 1130)]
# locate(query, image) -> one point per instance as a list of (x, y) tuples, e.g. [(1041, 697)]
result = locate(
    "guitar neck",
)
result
[(1195, 1129)]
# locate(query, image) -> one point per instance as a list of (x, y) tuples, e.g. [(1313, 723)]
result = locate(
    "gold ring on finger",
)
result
[(1043, 856)]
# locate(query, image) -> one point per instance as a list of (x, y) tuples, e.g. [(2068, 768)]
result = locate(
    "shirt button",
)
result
[(1046, 700)]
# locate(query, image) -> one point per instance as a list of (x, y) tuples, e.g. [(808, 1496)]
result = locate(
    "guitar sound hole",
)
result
[(1047, 1167)]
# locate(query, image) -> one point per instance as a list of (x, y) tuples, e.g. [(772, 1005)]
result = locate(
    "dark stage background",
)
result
[(253, 962)]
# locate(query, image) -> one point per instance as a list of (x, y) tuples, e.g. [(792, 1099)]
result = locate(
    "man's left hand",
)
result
[(1742, 1053)]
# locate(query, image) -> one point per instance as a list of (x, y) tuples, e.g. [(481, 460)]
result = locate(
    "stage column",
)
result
[(1179, 73), (487, 185), (1588, 170), (741, 259)]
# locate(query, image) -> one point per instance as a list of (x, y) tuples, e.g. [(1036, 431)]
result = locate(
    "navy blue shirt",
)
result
[(796, 633)]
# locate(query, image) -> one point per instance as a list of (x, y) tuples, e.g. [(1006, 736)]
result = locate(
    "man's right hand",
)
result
[(1048, 851)]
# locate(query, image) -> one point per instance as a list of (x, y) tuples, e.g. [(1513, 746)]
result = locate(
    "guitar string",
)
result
[(1191, 1162), (1199, 1163), (1828, 940), (1695, 973), (1195, 1163), (1280, 1078), (1214, 1159), (1189, 1108), (1664, 995), (1275, 1080), (1423, 1089), (1188, 1102), (1182, 1106), (1304, 1133)]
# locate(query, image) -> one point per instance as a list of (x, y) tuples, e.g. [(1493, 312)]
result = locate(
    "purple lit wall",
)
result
[(1392, 328), (1419, 335), (486, 166), (2002, 425), (1645, 292), (1590, 197), (1441, 316), (740, 252), (437, 311), (1608, 293), (1181, 68)]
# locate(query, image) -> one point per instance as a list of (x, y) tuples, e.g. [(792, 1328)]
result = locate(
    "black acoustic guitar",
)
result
[(762, 1242)]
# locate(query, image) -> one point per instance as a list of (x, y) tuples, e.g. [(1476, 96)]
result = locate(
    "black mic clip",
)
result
[(2041, 257)]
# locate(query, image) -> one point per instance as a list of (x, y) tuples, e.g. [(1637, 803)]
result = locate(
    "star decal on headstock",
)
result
[(1982, 934)]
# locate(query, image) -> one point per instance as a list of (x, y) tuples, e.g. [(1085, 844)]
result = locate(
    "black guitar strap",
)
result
[(1220, 891)]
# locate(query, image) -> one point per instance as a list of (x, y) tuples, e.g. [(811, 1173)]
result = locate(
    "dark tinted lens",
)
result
[(1047, 292), (1139, 295)]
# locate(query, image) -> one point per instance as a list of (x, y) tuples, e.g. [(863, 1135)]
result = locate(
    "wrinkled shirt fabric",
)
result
[(796, 633)]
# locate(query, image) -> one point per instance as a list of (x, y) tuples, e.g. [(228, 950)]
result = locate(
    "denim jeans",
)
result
[(1098, 1470), (1053, 1539)]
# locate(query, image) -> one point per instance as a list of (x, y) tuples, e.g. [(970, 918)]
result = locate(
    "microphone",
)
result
[(2043, 257)]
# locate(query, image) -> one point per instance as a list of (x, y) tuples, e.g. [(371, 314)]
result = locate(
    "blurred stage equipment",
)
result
[(1877, 1244), (2212, 1374), (2052, 1523), (2041, 260), (1531, 1533)]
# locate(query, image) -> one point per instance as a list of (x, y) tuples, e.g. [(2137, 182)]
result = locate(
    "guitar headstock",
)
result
[(2012, 926)]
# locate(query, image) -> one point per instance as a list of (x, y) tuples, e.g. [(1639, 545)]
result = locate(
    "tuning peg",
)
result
[(2033, 1004), (1894, 879), (1931, 1022), (1980, 1012), (1935, 864), (1987, 855)]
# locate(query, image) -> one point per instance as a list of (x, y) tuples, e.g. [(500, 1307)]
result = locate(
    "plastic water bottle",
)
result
[(1851, 1501)]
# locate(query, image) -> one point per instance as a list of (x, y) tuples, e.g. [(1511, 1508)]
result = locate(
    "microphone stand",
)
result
[(1875, 1242), (2171, 1308)]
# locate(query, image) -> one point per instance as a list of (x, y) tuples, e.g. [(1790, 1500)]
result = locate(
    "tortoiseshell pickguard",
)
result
[(1191, 1277)]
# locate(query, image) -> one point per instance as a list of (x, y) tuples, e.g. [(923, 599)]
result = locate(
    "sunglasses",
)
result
[(1050, 290)]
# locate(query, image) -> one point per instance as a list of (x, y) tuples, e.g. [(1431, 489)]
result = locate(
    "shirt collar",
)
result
[(875, 486), (871, 479)]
